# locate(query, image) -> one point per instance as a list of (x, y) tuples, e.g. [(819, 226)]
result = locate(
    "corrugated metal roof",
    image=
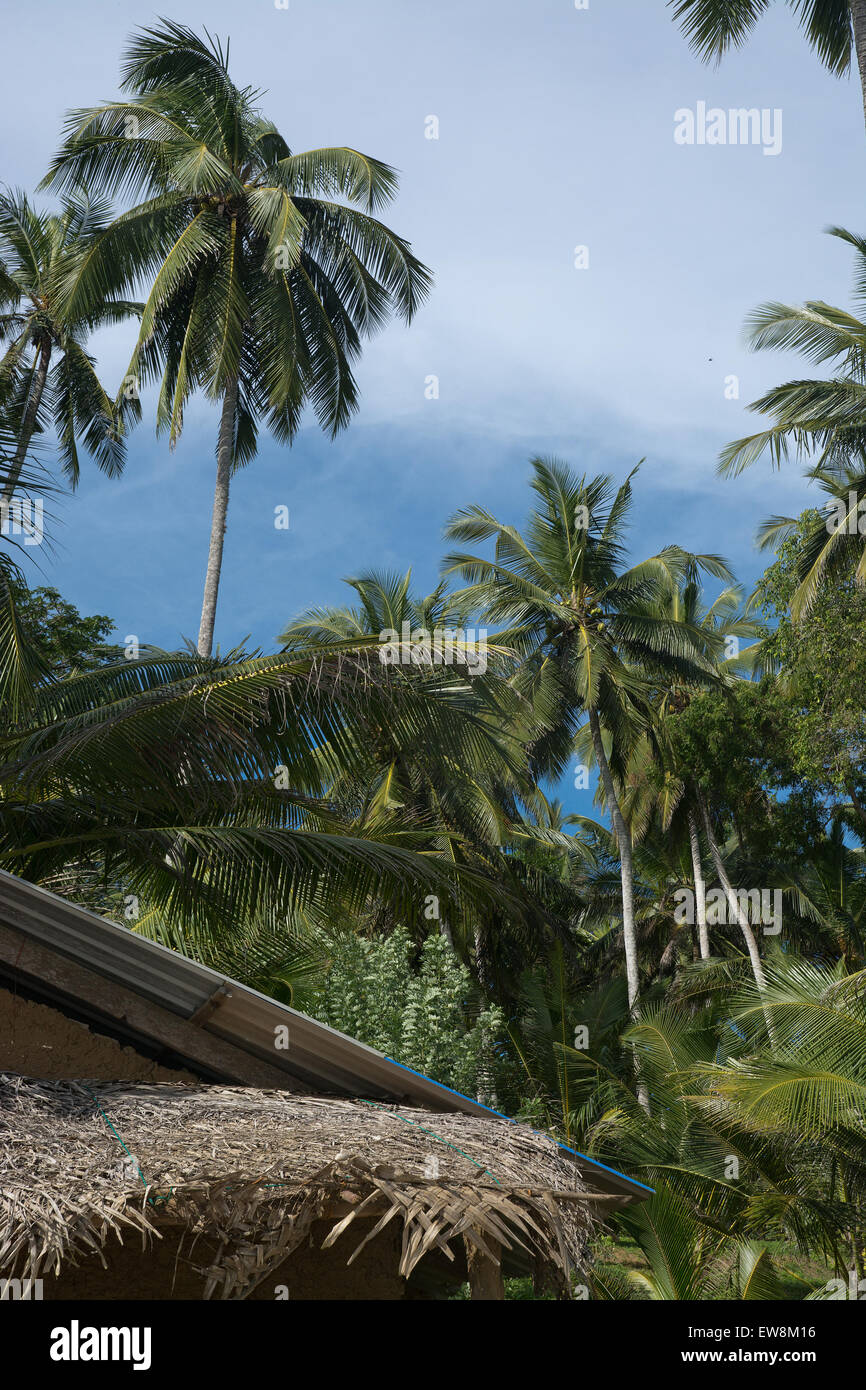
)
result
[(317, 1055)]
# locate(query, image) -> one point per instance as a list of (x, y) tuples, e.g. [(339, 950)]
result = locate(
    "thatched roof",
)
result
[(81, 1162)]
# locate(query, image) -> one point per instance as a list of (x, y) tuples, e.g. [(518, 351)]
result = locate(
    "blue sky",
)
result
[(556, 130)]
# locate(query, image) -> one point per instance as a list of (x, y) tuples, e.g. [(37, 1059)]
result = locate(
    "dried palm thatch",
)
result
[(252, 1170)]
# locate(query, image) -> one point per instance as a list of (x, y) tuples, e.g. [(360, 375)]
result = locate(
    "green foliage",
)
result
[(202, 786), (423, 1013), (285, 818), (738, 743), (267, 266), (66, 641), (823, 416), (822, 660), (46, 375), (715, 26)]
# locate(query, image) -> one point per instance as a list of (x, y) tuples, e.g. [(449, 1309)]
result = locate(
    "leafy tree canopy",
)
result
[(823, 664), (66, 640)]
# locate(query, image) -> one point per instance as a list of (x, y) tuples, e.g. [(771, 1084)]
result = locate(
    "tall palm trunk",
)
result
[(733, 901), (700, 885), (225, 451), (626, 873), (623, 840), (28, 423), (858, 24), (734, 906), (486, 1090)]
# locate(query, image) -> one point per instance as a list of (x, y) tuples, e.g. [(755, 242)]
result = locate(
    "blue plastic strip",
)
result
[(499, 1115)]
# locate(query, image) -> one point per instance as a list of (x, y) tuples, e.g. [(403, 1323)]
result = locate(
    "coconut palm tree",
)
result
[(698, 1227), (686, 1260), (264, 282), (422, 781), (468, 801), (660, 786), (46, 372), (662, 869), (695, 1062), (832, 545), (832, 27), (808, 1094), (583, 626), (198, 787), (655, 789), (810, 415), (720, 627), (826, 888)]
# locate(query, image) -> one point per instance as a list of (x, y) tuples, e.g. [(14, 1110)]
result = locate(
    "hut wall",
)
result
[(166, 1269), (37, 1040)]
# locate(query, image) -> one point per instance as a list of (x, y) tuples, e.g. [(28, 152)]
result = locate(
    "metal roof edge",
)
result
[(343, 1061), (478, 1105)]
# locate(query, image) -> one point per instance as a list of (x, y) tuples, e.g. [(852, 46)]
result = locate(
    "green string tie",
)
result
[(153, 1201)]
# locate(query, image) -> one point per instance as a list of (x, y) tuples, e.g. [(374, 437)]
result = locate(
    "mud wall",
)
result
[(39, 1041), (170, 1268)]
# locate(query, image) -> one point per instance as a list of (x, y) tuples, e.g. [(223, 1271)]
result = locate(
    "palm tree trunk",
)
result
[(623, 840), (858, 24), (733, 902), (225, 450), (761, 980), (626, 873), (485, 1093), (700, 885), (28, 423), (445, 930)]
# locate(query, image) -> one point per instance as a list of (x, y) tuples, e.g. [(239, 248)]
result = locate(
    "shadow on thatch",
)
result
[(253, 1170)]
